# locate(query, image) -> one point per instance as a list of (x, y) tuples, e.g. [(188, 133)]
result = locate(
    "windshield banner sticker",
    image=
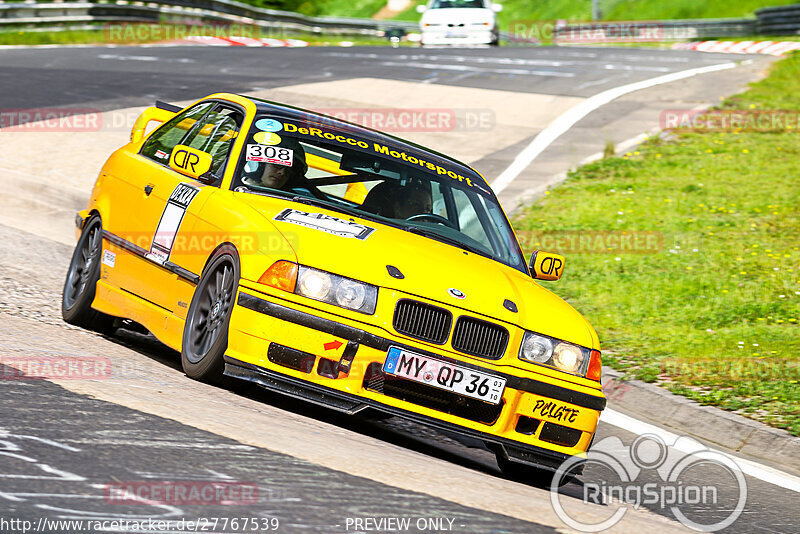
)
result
[(270, 154), (325, 223), (378, 148)]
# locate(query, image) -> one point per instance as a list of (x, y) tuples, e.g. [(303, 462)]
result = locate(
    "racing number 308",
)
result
[(269, 154), (481, 386)]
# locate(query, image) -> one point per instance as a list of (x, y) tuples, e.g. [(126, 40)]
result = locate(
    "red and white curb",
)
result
[(242, 41), (772, 48)]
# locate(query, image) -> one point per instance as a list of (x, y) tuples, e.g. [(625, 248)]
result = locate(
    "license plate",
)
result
[(444, 375)]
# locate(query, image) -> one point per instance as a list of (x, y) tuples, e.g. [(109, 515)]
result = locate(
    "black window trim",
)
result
[(216, 102)]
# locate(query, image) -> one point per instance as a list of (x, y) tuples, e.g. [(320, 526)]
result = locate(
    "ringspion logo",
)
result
[(653, 474)]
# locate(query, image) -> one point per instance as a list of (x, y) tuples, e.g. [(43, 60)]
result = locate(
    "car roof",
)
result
[(285, 111)]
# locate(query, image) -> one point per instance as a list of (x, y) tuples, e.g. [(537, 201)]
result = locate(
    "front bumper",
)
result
[(281, 346), (465, 37)]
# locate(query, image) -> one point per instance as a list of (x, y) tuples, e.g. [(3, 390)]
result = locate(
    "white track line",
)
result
[(569, 118), (748, 467), (467, 68)]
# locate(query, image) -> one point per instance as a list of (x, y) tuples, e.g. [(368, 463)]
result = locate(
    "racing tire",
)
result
[(205, 334), (80, 285), (528, 474)]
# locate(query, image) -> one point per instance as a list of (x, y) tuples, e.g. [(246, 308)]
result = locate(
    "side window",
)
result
[(159, 145), (215, 135)]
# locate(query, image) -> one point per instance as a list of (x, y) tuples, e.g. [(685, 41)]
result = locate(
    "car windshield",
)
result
[(441, 4), (402, 186)]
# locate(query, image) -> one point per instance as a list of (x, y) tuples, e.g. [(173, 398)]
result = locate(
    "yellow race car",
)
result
[(340, 265)]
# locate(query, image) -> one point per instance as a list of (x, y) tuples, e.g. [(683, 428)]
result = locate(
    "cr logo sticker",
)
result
[(185, 159), (456, 293), (547, 265)]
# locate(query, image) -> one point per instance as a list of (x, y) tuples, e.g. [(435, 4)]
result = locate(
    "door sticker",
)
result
[(109, 258), (170, 221), (325, 223)]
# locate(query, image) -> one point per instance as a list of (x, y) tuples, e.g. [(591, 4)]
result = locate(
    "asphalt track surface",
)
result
[(110, 78), (61, 444)]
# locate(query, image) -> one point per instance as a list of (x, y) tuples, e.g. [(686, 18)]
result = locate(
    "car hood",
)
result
[(457, 15), (430, 268)]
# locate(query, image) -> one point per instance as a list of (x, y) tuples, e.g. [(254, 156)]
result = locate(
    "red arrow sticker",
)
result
[(333, 345)]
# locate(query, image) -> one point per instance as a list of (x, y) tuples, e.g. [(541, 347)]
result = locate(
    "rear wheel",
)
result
[(81, 283), (205, 335)]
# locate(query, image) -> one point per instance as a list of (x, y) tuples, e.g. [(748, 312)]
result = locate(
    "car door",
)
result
[(161, 201), (179, 239)]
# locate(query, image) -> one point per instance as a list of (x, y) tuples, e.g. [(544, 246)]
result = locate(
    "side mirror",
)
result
[(191, 162), (421, 8), (547, 265), (148, 115), (497, 8)]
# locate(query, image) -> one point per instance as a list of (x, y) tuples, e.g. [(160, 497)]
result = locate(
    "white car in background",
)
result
[(464, 22)]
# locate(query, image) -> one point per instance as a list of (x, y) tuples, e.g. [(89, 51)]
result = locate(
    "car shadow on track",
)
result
[(394, 430)]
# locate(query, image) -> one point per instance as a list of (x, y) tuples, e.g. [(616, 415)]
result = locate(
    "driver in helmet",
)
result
[(413, 199), (395, 201), (286, 177)]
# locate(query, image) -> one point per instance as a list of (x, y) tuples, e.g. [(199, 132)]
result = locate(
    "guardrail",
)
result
[(642, 31), (189, 12), (781, 20)]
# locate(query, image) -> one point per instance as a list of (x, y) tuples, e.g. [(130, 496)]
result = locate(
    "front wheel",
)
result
[(81, 283), (205, 335)]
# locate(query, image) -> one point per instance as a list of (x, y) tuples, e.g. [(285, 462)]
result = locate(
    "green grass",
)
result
[(63, 37), (341, 8), (714, 314), (622, 9), (100, 36), (683, 9)]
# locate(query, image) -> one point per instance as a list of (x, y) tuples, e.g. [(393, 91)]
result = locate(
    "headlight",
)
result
[(537, 349), (351, 294), (314, 284), (568, 357), (554, 353), (337, 290)]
